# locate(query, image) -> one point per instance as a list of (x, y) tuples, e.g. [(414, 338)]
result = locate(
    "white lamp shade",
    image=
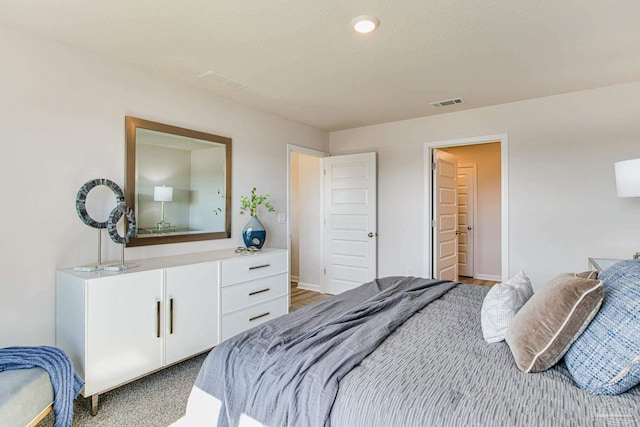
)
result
[(163, 194), (628, 178)]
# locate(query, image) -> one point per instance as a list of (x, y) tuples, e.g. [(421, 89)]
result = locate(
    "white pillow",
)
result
[(501, 304)]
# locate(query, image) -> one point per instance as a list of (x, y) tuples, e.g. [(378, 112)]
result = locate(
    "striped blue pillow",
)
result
[(605, 359)]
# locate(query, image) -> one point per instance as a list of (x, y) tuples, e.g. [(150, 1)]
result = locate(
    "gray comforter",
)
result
[(286, 372), (436, 370)]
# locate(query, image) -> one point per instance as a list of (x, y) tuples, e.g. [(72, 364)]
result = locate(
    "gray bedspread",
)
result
[(436, 370), (286, 372), (433, 370)]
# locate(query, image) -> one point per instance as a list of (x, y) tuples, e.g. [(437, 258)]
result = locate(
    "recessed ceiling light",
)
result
[(365, 23)]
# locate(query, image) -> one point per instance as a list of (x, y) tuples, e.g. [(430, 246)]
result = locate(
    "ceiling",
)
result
[(300, 59)]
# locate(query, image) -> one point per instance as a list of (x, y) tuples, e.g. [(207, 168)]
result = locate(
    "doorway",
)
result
[(332, 219), (480, 227), (304, 211), (467, 214)]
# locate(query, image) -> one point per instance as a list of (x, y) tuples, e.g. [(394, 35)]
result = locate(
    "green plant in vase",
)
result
[(250, 203), (254, 233)]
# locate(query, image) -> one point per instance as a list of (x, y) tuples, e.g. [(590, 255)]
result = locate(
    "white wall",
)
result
[(305, 215), (294, 202), (309, 217), (562, 200), (487, 255), (62, 119)]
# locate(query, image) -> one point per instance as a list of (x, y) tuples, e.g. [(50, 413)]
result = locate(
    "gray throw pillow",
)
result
[(552, 319)]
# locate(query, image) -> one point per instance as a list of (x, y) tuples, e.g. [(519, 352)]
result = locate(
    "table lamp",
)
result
[(628, 181), (163, 194)]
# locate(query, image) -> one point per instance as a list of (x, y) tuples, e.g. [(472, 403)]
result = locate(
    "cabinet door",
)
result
[(122, 328), (191, 304)]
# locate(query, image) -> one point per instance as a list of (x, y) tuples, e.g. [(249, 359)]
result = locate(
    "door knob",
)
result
[(457, 232), (372, 234), (468, 227)]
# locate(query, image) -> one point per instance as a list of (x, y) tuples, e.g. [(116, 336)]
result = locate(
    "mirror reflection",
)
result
[(181, 183)]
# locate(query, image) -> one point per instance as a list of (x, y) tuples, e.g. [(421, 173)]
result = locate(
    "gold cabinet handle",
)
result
[(259, 292), (255, 267), (259, 317), (157, 319), (171, 316)]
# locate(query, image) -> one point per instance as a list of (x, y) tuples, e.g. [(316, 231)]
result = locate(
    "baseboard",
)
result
[(488, 277), (295, 278), (309, 287)]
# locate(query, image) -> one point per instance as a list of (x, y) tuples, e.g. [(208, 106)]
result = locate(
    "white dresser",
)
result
[(253, 290), (120, 326)]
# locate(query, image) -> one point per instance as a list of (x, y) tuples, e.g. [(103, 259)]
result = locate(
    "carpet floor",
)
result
[(158, 399)]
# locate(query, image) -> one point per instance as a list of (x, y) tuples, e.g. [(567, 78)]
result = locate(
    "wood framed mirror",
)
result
[(178, 182)]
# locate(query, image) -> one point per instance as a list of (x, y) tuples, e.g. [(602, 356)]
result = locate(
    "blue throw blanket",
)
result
[(286, 371), (65, 381)]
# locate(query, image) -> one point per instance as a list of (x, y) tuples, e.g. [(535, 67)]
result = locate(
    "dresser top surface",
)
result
[(137, 266)]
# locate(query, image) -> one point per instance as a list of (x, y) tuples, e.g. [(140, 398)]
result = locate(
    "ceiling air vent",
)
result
[(221, 80), (447, 103)]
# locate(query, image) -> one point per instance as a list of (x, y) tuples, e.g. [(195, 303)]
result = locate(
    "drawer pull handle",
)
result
[(259, 317), (255, 267), (171, 316), (157, 319), (259, 292)]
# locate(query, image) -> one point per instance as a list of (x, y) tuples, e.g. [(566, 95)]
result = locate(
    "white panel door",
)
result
[(445, 206), (350, 221), (466, 218), (191, 307), (124, 333)]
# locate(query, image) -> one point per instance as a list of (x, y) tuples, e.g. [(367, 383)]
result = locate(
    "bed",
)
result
[(431, 369)]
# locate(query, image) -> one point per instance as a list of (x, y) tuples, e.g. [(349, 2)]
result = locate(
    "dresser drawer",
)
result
[(242, 295), (254, 266), (239, 321)]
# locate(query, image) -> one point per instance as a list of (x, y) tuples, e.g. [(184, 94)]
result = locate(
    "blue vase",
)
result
[(254, 233)]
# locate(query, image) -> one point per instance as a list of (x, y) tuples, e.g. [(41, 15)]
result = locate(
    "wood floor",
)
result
[(301, 297), (472, 281)]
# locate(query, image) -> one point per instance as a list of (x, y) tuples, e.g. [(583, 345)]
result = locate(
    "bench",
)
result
[(26, 397)]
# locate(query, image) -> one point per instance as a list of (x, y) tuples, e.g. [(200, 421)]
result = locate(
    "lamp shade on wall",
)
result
[(163, 194), (628, 178)]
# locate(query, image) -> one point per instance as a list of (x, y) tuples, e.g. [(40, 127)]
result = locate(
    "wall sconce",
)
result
[(628, 181), (163, 194)]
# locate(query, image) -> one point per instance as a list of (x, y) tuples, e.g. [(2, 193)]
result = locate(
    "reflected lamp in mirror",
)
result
[(190, 170), (163, 194), (628, 181)]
